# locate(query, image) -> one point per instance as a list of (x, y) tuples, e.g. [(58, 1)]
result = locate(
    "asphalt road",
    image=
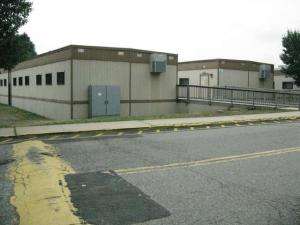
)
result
[(236, 175)]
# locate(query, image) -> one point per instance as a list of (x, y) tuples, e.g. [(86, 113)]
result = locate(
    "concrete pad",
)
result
[(7, 132)]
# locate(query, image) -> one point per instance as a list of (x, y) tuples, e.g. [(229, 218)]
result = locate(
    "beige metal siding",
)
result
[(279, 79), (236, 78), (255, 82), (54, 91), (99, 73), (51, 101), (147, 86), (4, 90), (144, 86), (199, 77), (50, 110)]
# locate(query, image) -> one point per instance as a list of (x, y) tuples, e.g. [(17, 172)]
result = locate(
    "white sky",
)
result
[(195, 29)]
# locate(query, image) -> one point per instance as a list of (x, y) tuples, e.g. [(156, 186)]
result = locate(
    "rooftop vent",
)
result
[(264, 71), (158, 63)]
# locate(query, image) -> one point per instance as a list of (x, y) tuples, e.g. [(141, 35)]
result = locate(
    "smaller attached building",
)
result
[(226, 72), (283, 82)]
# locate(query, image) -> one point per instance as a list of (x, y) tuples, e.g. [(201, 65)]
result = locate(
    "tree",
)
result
[(13, 15), (291, 55), (16, 49)]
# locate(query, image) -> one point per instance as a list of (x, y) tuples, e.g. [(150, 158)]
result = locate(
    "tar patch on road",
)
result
[(106, 198)]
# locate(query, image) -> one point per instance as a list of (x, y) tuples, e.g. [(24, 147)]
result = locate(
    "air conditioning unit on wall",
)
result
[(158, 63), (264, 71)]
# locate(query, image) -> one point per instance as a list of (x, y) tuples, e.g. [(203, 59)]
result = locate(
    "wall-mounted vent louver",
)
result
[(264, 71), (158, 63)]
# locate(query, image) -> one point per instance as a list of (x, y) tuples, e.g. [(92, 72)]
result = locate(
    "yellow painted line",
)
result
[(98, 135), (175, 129), (251, 124), (238, 125), (75, 136), (276, 122), (207, 127), (7, 140), (223, 125), (140, 132), (192, 128), (207, 161), (40, 194), (157, 131), (120, 133)]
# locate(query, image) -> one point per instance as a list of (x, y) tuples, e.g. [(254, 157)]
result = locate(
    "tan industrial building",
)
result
[(56, 84), (284, 83), (227, 72)]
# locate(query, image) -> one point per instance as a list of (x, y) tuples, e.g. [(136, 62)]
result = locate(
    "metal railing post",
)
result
[(231, 97), (253, 101), (177, 93), (188, 93), (276, 101), (209, 95)]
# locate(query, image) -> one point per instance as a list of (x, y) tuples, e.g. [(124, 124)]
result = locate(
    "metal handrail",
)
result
[(237, 95)]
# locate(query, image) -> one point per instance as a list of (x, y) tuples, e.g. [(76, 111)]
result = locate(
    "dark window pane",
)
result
[(60, 78), (1, 83), (287, 85), (48, 79), (38, 79), (15, 81), (5, 82), (184, 81), (27, 80), (20, 81)]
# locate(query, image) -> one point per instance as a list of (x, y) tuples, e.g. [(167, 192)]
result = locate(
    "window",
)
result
[(287, 85), (20, 81), (5, 82), (27, 81), (15, 81), (38, 80), (1, 83), (49, 79), (184, 81), (60, 78)]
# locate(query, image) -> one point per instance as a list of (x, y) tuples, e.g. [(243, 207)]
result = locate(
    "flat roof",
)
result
[(85, 52), (234, 64)]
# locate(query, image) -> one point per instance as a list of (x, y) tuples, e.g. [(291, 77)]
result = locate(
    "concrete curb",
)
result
[(145, 124)]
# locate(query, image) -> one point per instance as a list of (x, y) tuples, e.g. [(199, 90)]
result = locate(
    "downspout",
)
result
[(218, 78), (71, 85), (130, 75), (9, 88)]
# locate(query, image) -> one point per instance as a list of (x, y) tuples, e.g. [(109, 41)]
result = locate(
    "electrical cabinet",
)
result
[(104, 100)]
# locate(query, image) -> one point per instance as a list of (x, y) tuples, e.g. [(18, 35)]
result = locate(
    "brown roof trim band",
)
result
[(80, 52), (230, 64)]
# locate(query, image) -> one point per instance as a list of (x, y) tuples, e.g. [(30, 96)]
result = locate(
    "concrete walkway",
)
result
[(142, 124)]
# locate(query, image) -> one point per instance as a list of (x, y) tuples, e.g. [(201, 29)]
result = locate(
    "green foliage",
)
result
[(15, 50), (291, 55), (13, 15)]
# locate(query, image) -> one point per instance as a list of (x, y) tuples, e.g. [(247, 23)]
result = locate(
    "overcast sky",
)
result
[(195, 29)]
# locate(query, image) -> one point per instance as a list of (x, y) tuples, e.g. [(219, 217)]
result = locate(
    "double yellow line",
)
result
[(207, 161)]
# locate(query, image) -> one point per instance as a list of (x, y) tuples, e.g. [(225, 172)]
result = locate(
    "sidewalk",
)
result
[(143, 124)]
